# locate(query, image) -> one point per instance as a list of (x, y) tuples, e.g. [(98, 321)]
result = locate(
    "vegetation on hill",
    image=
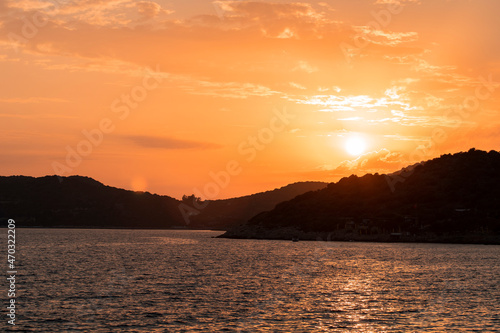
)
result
[(77, 201), (448, 197), (222, 214)]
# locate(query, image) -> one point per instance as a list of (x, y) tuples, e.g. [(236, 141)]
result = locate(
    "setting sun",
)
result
[(355, 145), (178, 151), (98, 91)]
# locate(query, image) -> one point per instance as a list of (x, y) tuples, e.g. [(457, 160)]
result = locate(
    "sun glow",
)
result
[(139, 184), (355, 145)]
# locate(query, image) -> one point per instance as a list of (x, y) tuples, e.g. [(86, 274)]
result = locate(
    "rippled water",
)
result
[(187, 281)]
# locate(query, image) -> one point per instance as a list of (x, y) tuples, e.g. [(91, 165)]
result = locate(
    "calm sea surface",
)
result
[(187, 281)]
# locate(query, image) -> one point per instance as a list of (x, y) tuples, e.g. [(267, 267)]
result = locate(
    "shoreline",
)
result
[(288, 234), (110, 228)]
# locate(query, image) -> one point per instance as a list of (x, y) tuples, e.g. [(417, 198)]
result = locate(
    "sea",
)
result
[(81, 280)]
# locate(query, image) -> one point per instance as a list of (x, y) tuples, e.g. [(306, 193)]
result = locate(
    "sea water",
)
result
[(78, 280)]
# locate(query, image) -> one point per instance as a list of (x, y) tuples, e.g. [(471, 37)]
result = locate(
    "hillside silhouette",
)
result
[(223, 214), (453, 198), (83, 202), (77, 201)]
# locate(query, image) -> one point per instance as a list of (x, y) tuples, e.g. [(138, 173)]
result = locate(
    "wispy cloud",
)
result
[(297, 85), (305, 66), (226, 89), (381, 161), (169, 143), (32, 100), (396, 2), (386, 37)]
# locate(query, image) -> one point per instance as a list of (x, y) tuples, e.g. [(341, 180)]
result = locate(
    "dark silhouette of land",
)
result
[(82, 202), (223, 214), (77, 201), (453, 198)]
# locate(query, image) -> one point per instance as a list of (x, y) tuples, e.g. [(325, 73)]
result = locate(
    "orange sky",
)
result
[(165, 96)]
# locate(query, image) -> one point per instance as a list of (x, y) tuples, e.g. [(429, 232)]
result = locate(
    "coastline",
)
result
[(259, 232)]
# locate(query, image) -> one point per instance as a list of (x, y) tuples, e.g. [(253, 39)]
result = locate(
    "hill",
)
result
[(222, 214), (453, 198), (77, 201), (83, 202)]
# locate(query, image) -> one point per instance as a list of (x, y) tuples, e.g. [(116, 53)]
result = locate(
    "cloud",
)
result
[(36, 116), (149, 9), (203, 46), (169, 143), (305, 66), (199, 54), (226, 89), (396, 2), (32, 100), (94, 12), (265, 12), (372, 162), (116, 30), (386, 37), (382, 161), (353, 102), (297, 85)]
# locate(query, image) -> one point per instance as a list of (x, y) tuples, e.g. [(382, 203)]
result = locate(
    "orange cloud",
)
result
[(397, 81), (372, 162), (381, 161), (168, 143)]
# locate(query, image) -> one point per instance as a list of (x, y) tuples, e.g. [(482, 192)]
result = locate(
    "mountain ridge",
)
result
[(452, 198), (220, 214), (80, 201)]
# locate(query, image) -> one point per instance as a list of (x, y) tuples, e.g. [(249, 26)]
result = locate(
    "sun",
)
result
[(355, 145)]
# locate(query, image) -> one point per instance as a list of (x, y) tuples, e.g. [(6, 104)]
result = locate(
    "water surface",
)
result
[(186, 281)]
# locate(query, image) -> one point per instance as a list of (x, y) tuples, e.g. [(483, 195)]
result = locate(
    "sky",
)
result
[(229, 98)]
